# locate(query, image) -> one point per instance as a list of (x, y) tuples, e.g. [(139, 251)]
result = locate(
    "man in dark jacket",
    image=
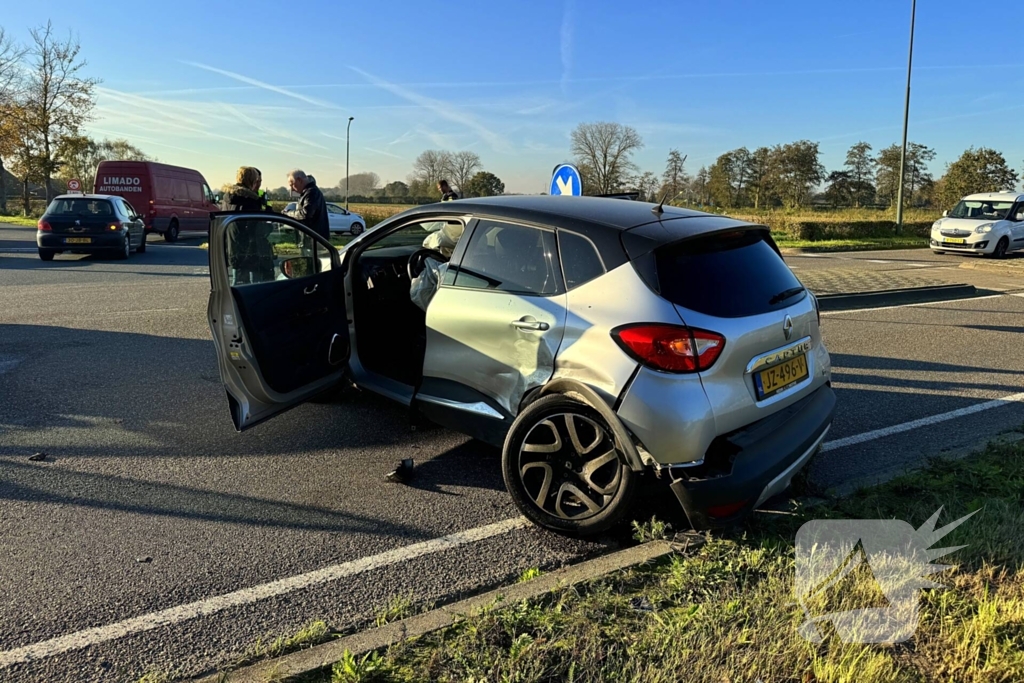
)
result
[(311, 209)]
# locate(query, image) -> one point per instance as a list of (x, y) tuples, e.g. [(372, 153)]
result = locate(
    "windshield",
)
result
[(981, 210), (80, 207)]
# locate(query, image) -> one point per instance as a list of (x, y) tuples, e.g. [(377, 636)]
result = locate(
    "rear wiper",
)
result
[(782, 296)]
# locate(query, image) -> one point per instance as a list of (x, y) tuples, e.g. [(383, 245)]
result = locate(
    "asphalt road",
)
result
[(148, 500)]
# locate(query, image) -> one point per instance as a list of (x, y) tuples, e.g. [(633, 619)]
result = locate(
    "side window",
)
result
[(331, 208), (581, 262), (260, 251), (164, 188), (126, 208), (208, 195), (180, 191), (195, 193), (510, 258)]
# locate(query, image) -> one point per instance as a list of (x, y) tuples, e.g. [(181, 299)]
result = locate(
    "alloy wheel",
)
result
[(569, 467)]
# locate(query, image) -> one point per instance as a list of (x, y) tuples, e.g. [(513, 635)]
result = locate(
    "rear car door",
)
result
[(340, 219), (277, 314), (135, 226), (496, 322)]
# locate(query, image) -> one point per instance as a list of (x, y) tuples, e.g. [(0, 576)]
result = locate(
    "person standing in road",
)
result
[(447, 193), (250, 254), (311, 209), (243, 195)]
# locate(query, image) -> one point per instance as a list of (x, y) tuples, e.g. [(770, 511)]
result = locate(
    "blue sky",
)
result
[(214, 85)]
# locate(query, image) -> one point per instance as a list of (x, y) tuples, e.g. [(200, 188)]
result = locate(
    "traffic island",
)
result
[(735, 607)]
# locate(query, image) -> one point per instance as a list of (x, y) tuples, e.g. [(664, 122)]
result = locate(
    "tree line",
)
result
[(785, 175), (45, 99)]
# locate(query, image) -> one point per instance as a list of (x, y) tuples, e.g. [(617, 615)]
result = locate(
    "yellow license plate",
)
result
[(78, 240), (776, 378), (954, 240)]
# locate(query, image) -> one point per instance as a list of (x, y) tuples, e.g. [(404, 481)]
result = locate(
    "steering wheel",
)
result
[(417, 261)]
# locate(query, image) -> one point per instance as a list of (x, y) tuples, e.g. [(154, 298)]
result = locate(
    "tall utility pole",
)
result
[(347, 129), (906, 117)]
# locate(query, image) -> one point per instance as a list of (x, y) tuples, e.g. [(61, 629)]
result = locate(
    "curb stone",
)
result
[(1003, 268), (324, 655), (893, 297)]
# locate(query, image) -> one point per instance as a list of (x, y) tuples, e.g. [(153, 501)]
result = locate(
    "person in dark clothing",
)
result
[(242, 196), (250, 253), (311, 209), (447, 193)]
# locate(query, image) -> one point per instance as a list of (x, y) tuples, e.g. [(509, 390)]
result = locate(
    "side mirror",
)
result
[(300, 266)]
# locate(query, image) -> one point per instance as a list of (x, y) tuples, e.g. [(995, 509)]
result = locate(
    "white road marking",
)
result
[(874, 260), (247, 596), (923, 422), (923, 303)]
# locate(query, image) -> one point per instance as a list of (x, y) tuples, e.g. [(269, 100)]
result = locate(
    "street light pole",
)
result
[(906, 117), (347, 129)]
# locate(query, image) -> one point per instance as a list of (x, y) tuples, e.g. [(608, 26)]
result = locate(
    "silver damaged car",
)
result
[(598, 342)]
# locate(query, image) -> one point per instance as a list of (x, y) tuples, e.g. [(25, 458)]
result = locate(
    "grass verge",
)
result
[(727, 612), (854, 244), (24, 221)]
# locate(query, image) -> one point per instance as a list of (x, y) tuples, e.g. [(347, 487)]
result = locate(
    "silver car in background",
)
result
[(596, 341)]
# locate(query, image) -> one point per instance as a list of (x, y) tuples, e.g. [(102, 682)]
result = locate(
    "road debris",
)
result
[(37, 457), (403, 472)]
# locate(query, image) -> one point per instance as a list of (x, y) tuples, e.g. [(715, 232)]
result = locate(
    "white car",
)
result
[(990, 223), (342, 221)]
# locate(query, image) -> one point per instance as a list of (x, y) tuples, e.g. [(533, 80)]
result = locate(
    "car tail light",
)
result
[(44, 226), (670, 348), (727, 510)]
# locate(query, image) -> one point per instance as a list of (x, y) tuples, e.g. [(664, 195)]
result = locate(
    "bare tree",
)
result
[(603, 152), (431, 166), (462, 166), (11, 55), (361, 184), (57, 98)]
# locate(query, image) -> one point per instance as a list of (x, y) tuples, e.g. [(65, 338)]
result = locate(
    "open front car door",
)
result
[(276, 312)]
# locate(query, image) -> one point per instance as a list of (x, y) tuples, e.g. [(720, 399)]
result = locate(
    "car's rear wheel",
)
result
[(126, 248), (46, 254), (356, 229), (1001, 248), (172, 232), (563, 470)]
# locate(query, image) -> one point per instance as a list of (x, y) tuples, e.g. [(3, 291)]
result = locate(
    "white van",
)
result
[(989, 223)]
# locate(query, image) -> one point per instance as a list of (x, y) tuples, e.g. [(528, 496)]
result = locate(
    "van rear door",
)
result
[(130, 180)]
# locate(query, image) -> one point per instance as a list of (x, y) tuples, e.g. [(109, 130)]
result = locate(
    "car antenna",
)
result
[(659, 209)]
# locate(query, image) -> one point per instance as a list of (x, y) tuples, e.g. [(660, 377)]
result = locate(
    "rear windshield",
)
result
[(80, 207), (728, 275)]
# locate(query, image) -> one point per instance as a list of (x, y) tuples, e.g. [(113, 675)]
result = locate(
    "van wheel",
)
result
[(142, 245), (172, 232), (564, 472), (46, 254), (1001, 248)]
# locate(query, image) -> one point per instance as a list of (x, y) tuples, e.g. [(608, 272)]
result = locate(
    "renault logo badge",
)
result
[(787, 327)]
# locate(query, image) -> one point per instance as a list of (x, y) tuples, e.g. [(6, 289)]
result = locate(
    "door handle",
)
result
[(530, 325), (310, 290)]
